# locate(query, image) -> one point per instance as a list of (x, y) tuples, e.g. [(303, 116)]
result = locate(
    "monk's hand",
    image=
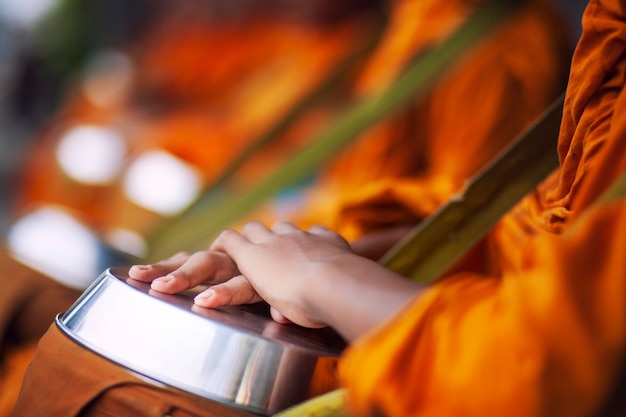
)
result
[(283, 265), (184, 271)]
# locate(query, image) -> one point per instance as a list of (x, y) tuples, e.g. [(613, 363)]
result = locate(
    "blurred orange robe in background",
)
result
[(542, 331), (199, 89), (403, 168)]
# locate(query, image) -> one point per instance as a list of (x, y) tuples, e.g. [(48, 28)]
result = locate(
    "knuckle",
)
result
[(284, 225), (223, 238), (226, 234), (254, 224), (200, 256), (179, 274)]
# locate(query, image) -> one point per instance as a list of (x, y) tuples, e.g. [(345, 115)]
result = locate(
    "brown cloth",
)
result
[(28, 301), (87, 385)]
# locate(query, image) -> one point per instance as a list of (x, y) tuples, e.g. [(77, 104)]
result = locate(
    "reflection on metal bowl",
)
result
[(233, 355)]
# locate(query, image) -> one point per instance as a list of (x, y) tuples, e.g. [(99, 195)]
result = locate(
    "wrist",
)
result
[(353, 294), (331, 284)]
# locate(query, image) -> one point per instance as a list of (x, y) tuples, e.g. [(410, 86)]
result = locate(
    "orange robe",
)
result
[(406, 166), (542, 331)]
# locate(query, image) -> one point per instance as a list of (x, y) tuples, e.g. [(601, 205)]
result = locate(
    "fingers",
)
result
[(184, 271), (148, 273), (329, 235), (256, 232), (318, 229), (232, 292), (229, 240), (278, 317), (200, 268), (284, 227)]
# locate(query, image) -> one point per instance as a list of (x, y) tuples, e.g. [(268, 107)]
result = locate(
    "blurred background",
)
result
[(109, 65), (44, 46)]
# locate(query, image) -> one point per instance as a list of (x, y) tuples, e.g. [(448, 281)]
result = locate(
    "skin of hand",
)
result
[(375, 244), (311, 278)]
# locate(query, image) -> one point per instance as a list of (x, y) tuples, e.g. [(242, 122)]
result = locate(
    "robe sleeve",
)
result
[(545, 342)]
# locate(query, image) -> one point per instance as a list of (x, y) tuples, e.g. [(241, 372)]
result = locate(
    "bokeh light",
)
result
[(91, 154), (160, 182)]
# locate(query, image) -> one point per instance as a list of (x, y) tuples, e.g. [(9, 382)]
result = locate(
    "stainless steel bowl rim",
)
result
[(234, 356)]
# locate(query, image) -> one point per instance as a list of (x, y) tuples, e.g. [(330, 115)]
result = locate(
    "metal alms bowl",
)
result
[(237, 356)]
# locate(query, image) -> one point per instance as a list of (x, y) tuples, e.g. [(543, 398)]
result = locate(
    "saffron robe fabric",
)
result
[(541, 330), (406, 166)]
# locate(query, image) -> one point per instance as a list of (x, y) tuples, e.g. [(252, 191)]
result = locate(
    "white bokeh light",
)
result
[(56, 244), (91, 154), (161, 182), (25, 12), (127, 241)]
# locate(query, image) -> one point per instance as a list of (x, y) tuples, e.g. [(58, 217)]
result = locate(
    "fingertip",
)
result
[(137, 271), (278, 317), (141, 267), (164, 284), (206, 298)]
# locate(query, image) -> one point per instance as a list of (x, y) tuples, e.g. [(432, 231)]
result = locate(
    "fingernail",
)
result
[(142, 267), (165, 279), (204, 296)]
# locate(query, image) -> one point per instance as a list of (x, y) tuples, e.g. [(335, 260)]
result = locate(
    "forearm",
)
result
[(353, 294)]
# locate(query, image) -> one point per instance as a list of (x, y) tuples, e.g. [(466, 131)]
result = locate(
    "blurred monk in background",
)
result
[(204, 87)]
